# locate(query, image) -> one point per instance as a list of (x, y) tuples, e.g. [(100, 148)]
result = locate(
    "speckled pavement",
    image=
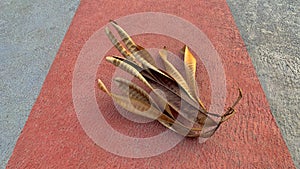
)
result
[(31, 33), (271, 32)]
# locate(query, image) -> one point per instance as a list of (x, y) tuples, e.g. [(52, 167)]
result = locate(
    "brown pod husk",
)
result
[(180, 110)]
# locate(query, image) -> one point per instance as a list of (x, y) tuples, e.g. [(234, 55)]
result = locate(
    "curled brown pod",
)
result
[(188, 120)]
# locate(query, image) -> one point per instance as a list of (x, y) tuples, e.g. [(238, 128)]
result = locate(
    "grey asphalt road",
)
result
[(31, 33)]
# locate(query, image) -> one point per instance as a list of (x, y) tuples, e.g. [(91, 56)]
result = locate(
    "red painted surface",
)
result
[(53, 137)]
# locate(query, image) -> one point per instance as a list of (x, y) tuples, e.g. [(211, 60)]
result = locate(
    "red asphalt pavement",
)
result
[(54, 138)]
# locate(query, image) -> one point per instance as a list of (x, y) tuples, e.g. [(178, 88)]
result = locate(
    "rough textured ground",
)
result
[(31, 33), (271, 32)]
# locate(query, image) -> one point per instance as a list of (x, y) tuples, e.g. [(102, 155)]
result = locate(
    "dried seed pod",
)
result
[(180, 110)]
